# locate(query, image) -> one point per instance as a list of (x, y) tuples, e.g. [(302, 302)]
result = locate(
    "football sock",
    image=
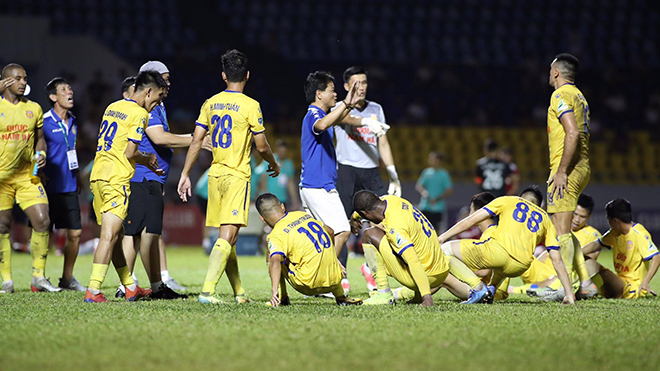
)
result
[(502, 291), (39, 249), (165, 275), (463, 273), (556, 284), (156, 286), (217, 263), (522, 289), (125, 278), (579, 265), (567, 250), (598, 280), (232, 273), (376, 264), (99, 271), (135, 280), (5, 257)]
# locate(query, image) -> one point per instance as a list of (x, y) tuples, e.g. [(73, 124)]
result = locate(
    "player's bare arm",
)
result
[(184, 187), (559, 180), (164, 139), (653, 269), (143, 158), (465, 224), (337, 115), (275, 270), (264, 150), (562, 274), (591, 247), (41, 147)]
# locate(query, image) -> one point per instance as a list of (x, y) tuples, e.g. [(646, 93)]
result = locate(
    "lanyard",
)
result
[(65, 136)]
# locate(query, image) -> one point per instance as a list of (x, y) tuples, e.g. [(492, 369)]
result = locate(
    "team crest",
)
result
[(139, 130), (557, 96), (73, 130), (630, 245), (2, 114), (234, 212), (29, 114)]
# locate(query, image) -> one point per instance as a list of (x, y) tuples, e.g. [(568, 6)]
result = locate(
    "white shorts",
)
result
[(326, 207)]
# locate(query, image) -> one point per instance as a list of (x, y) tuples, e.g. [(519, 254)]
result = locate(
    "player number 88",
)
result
[(221, 136), (320, 240), (520, 215)]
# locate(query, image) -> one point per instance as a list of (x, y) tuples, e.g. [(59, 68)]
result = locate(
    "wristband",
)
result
[(391, 170)]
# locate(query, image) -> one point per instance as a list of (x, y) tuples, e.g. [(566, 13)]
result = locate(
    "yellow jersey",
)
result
[(406, 227), (232, 118), (123, 121), (586, 235), (631, 252), (18, 125), (568, 98), (307, 249), (522, 226)]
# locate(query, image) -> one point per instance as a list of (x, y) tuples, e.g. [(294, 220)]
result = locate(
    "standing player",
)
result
[(636, 257), (492, 174), (144, 222), (61, 172), (318, 178), (21, 120), (234, 120), (568, 138), (114, 165), (303, 245)]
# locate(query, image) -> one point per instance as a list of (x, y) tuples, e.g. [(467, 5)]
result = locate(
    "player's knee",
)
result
[(372, 236), (42, 223), (73, 234), (5, 226)]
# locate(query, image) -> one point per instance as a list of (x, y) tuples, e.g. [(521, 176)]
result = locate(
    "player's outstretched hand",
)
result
[(273, 170), (559, 181), (352, 97), (394, 188), (183, 189), (427, 301)]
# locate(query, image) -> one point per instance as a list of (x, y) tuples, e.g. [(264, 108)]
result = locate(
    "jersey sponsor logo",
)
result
[(29, 114), (271, 247), (234, 212), (400, 241), (562, 106)]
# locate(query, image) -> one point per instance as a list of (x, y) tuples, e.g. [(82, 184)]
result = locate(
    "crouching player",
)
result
[(636, 258), (409, 247), (304, 246)]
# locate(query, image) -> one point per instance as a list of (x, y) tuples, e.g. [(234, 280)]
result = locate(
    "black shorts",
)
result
[(64, 210), (145, 208), (352, 179)]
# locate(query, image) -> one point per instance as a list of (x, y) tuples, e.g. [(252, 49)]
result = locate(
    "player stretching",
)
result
[(20, 121), (117, 152), (234, 119), (636, 258), (303, 245), (568, 138)]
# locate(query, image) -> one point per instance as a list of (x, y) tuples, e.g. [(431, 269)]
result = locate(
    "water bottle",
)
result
[(34, 176)]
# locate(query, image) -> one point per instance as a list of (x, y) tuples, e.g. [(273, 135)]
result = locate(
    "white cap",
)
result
[(157, 66)]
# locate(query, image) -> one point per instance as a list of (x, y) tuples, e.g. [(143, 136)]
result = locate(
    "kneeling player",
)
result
[(304, 247), (636, 258), (410, 251)]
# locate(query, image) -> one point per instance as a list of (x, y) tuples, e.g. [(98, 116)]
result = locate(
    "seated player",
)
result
[(305, 247), (410, 251), (509, 251), (636, 258), (583, 232)]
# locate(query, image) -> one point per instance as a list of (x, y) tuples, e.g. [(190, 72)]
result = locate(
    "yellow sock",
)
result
[(5, 257), (99, 271), (232, 273), (217, 263), (521, 289), (555, 285), (567, 250), (39, 249), (462, 272), (374, 258), (125, 276), (502, 291), (579, 265), (598, 280)]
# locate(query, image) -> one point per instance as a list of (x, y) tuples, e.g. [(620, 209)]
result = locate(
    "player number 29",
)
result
[(108, 132), (320, 240), (221, 136), (520, 215)]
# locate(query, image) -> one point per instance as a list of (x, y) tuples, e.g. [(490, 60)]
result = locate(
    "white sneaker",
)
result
[(7, 287), (42, 284), (171, 283)]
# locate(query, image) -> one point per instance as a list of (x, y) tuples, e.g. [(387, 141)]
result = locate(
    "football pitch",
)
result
[(41, 331)]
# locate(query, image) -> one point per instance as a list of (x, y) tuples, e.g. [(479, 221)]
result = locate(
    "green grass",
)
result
[(59, 332)]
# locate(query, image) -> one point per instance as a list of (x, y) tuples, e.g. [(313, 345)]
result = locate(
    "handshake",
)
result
[(378, 128)]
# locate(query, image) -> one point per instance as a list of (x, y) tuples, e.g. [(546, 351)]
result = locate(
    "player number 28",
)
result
[(320, 240), (109, 130), (520, 215), (221, 136)]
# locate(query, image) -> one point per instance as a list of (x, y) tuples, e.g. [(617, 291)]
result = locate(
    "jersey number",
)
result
[(520, 215), (221, 136), (427, 227), (320, 240), (110, 130), (492, 179)]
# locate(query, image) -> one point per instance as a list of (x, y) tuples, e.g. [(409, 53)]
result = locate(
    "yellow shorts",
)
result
[(577, 182), (111, 198), (303, 289), (398, 269), (489, 254), (539, 271), (21, 190), (631, 289), (229, 201)]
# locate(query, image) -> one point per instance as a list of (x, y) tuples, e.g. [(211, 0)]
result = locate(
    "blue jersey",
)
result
[(60, 137), (157, 117), (319, 161)]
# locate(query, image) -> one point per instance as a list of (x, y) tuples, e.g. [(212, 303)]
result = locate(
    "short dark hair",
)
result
[(490, 145), (151, 79), (568, 64), (365, 201), (536, 191), (481, 199), (353, 70), (266, 202), (619, 208), (234, 65), (11, 67), (51, 88), (585, 201), (127, 83), (318, 80)]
